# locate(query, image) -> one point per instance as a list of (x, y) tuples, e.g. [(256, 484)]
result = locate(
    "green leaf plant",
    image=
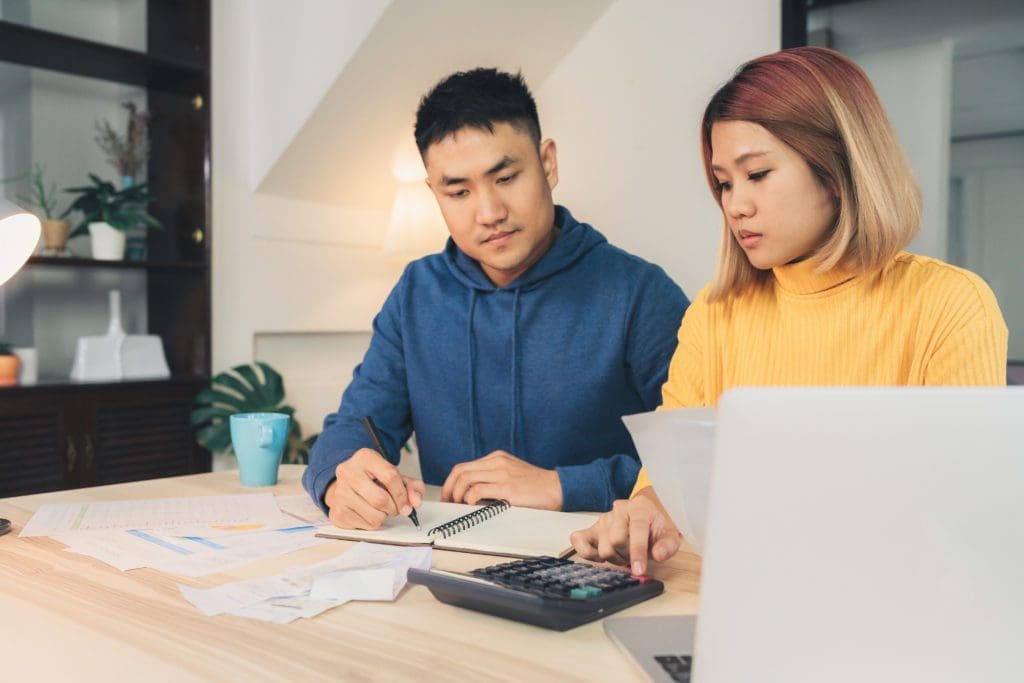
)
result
[(255, 388), (41, 196), (122, 209)]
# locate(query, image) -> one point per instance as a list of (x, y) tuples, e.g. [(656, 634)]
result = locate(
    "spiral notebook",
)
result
[(493, 529)]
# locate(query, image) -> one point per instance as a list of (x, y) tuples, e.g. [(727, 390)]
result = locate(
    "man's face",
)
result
[(494, 190)]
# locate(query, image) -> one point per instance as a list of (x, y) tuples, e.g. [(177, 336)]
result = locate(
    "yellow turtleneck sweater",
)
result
[(918, 322)]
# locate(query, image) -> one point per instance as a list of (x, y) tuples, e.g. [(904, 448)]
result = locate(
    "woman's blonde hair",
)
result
[(822, 105)]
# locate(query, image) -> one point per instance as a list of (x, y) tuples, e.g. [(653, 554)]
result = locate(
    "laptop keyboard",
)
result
[(676, 666)]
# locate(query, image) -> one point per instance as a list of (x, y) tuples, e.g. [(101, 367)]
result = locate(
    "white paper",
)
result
[(199, 515), (240, 594), (675, 446), (187, 556), (374, 572), (284, 597), (286, 610), (303, 509), (119, 549), (227, 553)]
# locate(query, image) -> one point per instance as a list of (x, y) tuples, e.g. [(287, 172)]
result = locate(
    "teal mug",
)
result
[(258, 440)]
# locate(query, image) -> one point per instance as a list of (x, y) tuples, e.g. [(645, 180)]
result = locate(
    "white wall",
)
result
[(991, 178), (263, 280), (624, 106), (988, 92), (314, 39), (915, 85)]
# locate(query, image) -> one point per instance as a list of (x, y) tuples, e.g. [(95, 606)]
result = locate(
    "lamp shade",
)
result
[(416, 227), (19, 233)]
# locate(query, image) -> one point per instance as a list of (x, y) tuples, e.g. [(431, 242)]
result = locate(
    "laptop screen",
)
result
[(865, 534)]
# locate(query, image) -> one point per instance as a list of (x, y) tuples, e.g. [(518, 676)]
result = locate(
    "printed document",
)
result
[(363, 572), (196, 515), (675, 447)]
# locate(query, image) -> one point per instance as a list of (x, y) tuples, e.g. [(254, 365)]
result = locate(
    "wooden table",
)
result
[(69, 617)]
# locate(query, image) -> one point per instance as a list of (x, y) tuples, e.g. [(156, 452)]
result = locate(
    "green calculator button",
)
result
[(584, 592)]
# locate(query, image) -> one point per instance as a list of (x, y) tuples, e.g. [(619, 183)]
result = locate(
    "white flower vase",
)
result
[(107, 242)]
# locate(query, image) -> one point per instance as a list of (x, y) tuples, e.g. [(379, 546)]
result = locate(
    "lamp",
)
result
[(19, 233), (416, 227)]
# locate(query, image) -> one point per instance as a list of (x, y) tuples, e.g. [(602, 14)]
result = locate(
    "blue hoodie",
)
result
[(543, 368)]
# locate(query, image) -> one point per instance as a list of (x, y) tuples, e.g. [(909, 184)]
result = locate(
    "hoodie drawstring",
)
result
[(473, 426), (514, 428)]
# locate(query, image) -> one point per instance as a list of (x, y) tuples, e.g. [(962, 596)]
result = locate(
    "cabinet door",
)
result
[(137, 433), (38, 448)]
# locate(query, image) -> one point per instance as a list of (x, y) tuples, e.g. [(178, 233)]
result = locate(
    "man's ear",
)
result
[(549, 161)]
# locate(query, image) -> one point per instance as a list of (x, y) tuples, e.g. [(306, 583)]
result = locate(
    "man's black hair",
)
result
[(478, 99)]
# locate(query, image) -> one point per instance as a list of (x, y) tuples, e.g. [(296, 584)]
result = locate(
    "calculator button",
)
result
[(584, 592)]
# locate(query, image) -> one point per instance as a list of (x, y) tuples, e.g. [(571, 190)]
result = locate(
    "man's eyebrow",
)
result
[(504, 163), (447, 181), (740, 159)]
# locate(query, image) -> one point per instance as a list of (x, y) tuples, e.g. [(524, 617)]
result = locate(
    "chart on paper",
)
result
[(227, 513)]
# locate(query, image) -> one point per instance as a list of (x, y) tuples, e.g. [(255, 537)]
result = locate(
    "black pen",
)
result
[(371, 429)]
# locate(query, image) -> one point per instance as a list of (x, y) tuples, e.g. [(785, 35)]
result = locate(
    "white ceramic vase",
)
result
[(107, 242)]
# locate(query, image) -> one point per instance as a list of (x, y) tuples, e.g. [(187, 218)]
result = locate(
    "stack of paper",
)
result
[(207, 534), (189, 536), (365, 572)]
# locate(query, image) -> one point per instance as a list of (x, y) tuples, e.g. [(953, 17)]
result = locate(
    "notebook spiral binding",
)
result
[(450, 528)]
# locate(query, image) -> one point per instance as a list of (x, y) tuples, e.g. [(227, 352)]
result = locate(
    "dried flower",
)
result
[(128, 153)]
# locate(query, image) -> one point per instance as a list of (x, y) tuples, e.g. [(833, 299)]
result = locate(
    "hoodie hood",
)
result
[(574, 240)]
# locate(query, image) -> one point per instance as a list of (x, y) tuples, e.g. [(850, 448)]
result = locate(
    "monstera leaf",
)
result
[(256, 388)]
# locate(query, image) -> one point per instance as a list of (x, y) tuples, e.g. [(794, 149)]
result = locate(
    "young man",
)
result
[(513, 353)]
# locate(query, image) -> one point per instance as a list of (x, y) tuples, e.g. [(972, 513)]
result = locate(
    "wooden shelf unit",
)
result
[(60, 434)]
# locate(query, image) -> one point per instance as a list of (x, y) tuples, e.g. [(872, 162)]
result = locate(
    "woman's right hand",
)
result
[(634, 531)]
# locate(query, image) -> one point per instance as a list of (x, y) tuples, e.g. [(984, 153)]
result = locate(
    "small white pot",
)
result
[(107, 242)]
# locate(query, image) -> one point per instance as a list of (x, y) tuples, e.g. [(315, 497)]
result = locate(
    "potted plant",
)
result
[(55, 230), (9, 365), (108, 213), (242, 390), (128, 153), (44, 200)]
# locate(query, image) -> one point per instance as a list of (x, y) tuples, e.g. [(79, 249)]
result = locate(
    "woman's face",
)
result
[(776, 209)]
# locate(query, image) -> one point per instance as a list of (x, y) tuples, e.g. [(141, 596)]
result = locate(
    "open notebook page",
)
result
[(513, 532), (401, 530), (520, 532)]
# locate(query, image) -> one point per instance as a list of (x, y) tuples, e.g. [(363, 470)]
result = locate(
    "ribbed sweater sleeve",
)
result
[(972, 349)]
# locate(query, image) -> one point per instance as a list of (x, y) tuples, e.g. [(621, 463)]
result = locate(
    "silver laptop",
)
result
[(660, 647), (869, 534)]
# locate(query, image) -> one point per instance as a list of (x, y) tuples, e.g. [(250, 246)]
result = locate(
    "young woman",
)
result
[(812, 286)]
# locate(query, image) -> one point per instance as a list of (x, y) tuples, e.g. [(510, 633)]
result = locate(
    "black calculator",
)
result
[(546, 591)]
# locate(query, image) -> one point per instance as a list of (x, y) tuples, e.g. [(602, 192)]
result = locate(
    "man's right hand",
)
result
[(367, 489)]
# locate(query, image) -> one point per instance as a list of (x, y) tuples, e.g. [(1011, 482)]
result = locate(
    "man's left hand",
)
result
[(501, 475)]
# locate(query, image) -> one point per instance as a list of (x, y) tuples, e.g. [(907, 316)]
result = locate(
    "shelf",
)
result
[(57, 52), (75, 262), (66, 385)]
